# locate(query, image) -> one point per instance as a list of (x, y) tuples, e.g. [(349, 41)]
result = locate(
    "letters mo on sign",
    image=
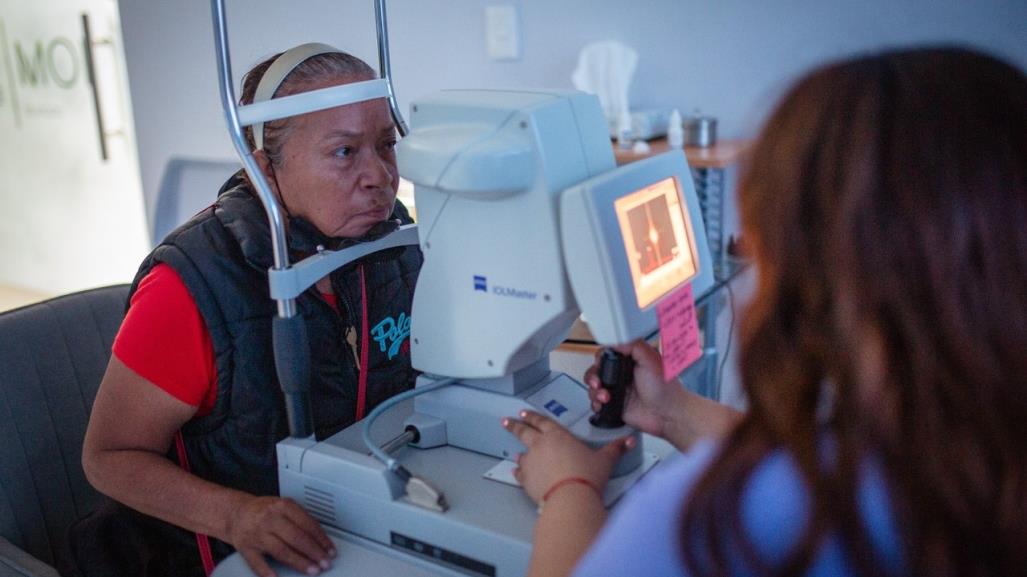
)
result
[(40, 63), (39, 71)]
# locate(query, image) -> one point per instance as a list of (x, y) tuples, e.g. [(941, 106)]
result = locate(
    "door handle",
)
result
[(94, 84)]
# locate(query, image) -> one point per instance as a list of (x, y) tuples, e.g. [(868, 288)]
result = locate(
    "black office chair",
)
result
[(52, 357)]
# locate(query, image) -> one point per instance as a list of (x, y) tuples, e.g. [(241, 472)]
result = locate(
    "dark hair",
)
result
[(330, 65), (885, 206)]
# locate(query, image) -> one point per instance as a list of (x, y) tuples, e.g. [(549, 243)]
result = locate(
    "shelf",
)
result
[(721, 155)]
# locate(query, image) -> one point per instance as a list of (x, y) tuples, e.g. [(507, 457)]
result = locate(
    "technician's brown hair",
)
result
[(328, 66), (885, 207)]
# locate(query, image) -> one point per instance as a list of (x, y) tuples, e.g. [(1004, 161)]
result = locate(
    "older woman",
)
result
[(186, 420), (884, 353)]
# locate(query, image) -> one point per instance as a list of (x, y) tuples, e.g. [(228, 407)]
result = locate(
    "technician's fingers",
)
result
[(592, 374), (523, 431), (644, 354), (614, 449), (540, 422), (598, 397), (255, 559), (629, 349)]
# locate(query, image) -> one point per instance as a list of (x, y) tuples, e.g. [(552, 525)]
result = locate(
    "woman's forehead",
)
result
[(368, 118)]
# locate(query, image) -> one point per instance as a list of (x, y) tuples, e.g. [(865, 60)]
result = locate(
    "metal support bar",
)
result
[(399, 441), (290, 283), (279, 247), (385, 66)]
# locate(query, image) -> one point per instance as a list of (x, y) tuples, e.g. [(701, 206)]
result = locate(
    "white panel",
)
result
[(68, 219)]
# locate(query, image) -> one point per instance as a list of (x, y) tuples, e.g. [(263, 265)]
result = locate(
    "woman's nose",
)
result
[(377, 172)]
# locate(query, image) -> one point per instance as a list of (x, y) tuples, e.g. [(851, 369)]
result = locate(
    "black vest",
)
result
[(223, 255)]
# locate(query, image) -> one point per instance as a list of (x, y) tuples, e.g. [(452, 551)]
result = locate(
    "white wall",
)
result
[(729, 58)]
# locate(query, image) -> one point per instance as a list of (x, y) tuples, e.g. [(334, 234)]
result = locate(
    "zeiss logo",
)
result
[(480, 284), (554, 406)]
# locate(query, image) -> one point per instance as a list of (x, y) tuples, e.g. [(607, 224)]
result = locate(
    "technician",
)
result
[(883, 353), (185, 422)]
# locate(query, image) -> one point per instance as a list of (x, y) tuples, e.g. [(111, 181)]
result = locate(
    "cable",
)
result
[(391, 463), (730, 337)]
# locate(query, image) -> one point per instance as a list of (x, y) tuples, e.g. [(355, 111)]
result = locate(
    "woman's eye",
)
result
[(390, 144), (343, 151)]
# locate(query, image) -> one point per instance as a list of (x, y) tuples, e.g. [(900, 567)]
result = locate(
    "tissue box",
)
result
[(645, 124)]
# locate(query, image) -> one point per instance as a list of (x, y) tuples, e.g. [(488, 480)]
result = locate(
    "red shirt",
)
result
[(164, 339)]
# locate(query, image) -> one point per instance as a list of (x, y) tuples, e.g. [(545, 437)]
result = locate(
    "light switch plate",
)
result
[(502, 32)]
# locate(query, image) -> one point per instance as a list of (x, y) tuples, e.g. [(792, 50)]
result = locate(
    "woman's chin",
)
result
[(360, 225)]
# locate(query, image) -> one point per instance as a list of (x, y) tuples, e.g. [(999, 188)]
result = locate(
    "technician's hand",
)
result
[(661, 408), (554, 455), (282, 529), (648, 399)]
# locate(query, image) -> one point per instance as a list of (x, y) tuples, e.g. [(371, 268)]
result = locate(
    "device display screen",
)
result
[(658, 239)]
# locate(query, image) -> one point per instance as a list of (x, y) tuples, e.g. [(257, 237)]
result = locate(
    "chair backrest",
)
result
[(188, 186), (52, 357)]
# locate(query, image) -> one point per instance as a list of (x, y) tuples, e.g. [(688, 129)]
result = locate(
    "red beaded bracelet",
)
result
[(568, 481)]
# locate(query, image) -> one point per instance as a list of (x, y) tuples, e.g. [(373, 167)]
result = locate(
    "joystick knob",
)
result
[(615, 373)]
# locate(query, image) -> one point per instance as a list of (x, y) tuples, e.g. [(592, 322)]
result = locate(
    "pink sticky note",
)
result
[(679, 332)]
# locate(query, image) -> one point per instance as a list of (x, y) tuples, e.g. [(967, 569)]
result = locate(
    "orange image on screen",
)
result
[(658, 240), (653, 234)]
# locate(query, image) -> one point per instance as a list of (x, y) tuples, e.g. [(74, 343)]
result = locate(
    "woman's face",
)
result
[(338, 167)]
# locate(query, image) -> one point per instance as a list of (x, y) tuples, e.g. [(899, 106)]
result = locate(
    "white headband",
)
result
[(276, 73)]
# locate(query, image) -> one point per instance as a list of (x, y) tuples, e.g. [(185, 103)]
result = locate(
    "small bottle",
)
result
[(675, 134), (624, 130)]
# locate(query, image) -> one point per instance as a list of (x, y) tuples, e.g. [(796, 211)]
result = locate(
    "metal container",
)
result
[(700, 131)]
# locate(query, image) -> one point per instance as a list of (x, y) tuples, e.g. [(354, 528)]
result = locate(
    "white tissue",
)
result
[(606, 69)]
